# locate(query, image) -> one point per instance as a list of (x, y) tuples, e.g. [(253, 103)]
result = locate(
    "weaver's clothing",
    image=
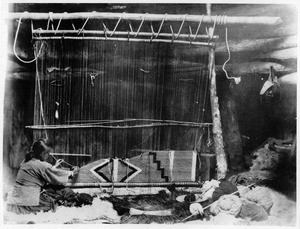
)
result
[(32, 176)]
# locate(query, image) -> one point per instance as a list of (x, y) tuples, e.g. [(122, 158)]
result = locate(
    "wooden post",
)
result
[(216, 116)]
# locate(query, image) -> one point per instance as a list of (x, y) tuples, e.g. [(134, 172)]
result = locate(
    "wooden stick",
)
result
[(70, 154), (150, 17), (134, 211), (122, 33), (211, 44), (134, 184)]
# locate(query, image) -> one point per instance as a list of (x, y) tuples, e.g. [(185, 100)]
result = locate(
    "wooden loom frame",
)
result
[(208, 19)]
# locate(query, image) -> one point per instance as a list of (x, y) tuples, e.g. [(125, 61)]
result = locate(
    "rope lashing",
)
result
[(161, 25), (130, 26), (59, 23), (14, 46), (137, 32), (173, 36), (82, 28), (213, 29), (73, 26), (179, 31), (152, 30), (116, 26), (105, 29), (50, 18), (198, 28)]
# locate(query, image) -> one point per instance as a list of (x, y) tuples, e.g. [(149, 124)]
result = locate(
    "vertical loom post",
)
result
[(216, 116)]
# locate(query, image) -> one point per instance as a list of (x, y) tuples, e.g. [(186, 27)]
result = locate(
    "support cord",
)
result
[(237, 80), (14, 47)]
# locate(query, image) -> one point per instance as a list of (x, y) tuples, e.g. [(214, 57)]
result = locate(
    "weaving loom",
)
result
[(101, 95), (106, 82)]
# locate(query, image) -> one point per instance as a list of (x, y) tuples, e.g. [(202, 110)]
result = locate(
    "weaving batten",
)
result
[(128, 184), (150, 17)]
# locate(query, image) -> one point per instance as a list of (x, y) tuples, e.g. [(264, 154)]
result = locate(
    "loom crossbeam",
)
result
[(148, 17)]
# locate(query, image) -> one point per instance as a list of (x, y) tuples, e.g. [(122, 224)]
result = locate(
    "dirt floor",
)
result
[(283, 213)]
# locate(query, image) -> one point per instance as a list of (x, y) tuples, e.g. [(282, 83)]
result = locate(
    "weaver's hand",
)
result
[(58, 162), (75, 170)]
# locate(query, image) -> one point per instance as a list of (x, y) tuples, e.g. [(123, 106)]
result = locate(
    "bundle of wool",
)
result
[(196, 209), (260, 196), (224, 188), (253, 212), (208, 188), (242, 190), (229, 204), (209, 184)]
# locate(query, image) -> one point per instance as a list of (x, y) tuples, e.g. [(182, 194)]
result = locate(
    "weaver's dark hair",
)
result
[(37, 148)]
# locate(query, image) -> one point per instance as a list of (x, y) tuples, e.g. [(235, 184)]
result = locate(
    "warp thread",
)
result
[(229, 204), (224, 188)]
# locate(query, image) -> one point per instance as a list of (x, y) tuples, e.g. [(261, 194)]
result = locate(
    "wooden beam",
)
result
[(261, 45), (71, 154), (147, 17), (288, 79), (254, 68), (282, 54), (216, 116)]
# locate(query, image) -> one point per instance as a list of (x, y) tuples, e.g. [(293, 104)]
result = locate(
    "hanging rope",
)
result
[(237, 80), (59, 23), (198, 28), (179, 31), (14, 47), (140, 25), (161, 24), (82, 28), (117, 24)]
